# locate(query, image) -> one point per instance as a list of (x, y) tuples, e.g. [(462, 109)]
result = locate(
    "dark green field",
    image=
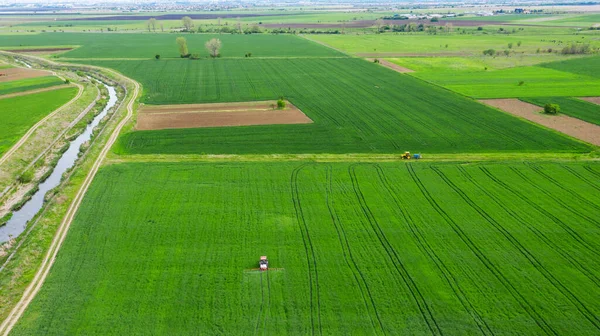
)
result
[(357, 249), (148, 45), (589, 66), (356, 106), (29, 84), (572, 107)]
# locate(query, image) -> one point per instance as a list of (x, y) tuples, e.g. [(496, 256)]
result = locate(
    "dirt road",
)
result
[(61, 233)]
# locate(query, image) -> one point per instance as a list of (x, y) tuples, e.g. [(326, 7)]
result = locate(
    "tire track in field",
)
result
[(425, 246), (556, 199), (393, 255), (538, 319), (539, 266), (591, 170), (517, 217), (581, 177), (268, 310), (359, 277), (262, 303), (315, 302), (556, 220), (540, 172)]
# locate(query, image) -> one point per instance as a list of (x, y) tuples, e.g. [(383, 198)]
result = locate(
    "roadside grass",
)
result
[(356, 106), (573, 107), (538, 81), (148, 45), (29, 84), (18, 114), (396, 248)]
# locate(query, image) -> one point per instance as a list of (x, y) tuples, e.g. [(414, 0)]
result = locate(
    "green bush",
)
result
[(26, 177), (281, 104), (551, 108)]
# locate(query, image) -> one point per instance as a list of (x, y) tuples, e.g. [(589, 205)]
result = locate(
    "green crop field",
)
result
[(364, 249), (148, 45), (538, 81), (29, 84), (589, 66), (356, 106), (18, 114), (573, 107), (467, 44)]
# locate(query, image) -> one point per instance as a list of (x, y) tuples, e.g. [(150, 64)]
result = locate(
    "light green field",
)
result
[(538, 82), (468, 44), (18, 114), (474, 63), (29, 84), (355, 249)]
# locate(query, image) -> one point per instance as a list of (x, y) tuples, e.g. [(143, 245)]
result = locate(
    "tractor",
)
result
[(263, 263), (406, 156)]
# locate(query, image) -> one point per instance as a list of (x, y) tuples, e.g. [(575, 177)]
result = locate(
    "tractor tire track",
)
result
[(421, 241), (515, 215), (529, 309), (591, 170), (539, 171), (315, 302), (393, 255), (262, 303), (554, 198), (268, 310), (558, 285), (581, 177), (359, 277), (556, 220)]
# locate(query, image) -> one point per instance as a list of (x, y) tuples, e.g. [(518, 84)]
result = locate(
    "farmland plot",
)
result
[(356, 106), (18, 114), (358, 249), (573, 107), (29, 84), (149, 45)]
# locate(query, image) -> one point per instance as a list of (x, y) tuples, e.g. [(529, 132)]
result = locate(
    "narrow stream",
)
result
[(17, 224)]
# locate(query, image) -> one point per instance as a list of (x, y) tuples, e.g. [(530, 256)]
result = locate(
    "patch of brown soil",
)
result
[(25, 93), (571, 126), (595, 100), (392, 66), (218, 115), (12, 74)]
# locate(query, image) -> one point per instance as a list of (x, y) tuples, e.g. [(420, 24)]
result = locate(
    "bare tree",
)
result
[(449, 27), (188, 24), (152, 24), (379, 24), (182, 43), (239, 25), (162, 27), (213, 46)]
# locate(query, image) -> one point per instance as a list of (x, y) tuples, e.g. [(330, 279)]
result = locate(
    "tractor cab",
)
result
[(263, 263), (406, 156)]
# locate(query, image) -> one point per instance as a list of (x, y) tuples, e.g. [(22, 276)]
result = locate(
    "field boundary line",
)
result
[(26, 136), (61, 233)]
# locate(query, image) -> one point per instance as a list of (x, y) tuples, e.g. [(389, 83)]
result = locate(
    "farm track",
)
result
[(393, 255), (359, 277), (553, 218), (61, 233), (581, 177), (310, 254), (539, 320), (26, 136), (583, 309), (262, 304), (421, 241), (539, 234)]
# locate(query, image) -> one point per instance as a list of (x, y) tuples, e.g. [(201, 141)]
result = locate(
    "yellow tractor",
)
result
[(406, 156)]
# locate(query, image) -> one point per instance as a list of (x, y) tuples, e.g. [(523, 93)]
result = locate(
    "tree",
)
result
[(157, 56), (489, 52), (280, 103), (519, 44), (449, 27), (152, 24), (162, 27), (506, 52), (239, 25), (379, 24), (183, 48), (480, 28), (510, 45), (188, 24), (551, 108), (213, 46)]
